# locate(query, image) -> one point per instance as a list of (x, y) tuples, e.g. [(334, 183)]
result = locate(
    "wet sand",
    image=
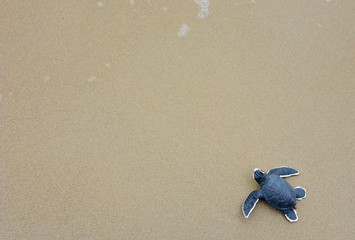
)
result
[(145, 119)]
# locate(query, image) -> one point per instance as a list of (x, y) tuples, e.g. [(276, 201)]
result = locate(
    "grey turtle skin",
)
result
[(276, 191)]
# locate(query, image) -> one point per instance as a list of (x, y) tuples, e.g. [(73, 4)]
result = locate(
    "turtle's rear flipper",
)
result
[(300, 193), (251, 201), (284, 171), (291, 215)]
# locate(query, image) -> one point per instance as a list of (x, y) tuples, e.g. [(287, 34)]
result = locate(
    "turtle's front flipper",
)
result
[(251, 201), (300, 192), (291, 215), (284, 171)]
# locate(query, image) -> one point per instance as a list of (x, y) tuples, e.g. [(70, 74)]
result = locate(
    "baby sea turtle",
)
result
[(276, 191)]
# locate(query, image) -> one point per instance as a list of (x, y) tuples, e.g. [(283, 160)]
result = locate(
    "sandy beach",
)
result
[(145, 119)]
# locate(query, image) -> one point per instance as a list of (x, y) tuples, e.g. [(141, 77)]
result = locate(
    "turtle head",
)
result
[(259, 175)]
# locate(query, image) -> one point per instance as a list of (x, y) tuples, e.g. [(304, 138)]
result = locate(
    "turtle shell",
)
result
[(278, 193)]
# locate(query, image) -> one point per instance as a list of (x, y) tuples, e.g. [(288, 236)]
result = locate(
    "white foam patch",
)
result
[(46, 79), (108, 65), (131, 2), (183, 31), (204, 8), (92, 79), (100, 4), (253, 1)]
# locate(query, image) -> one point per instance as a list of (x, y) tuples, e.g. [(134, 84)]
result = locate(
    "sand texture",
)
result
[(145, 119)]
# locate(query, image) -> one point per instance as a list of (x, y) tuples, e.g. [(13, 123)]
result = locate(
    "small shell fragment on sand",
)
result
[(45, 79), (183, 31), (92, 79)]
